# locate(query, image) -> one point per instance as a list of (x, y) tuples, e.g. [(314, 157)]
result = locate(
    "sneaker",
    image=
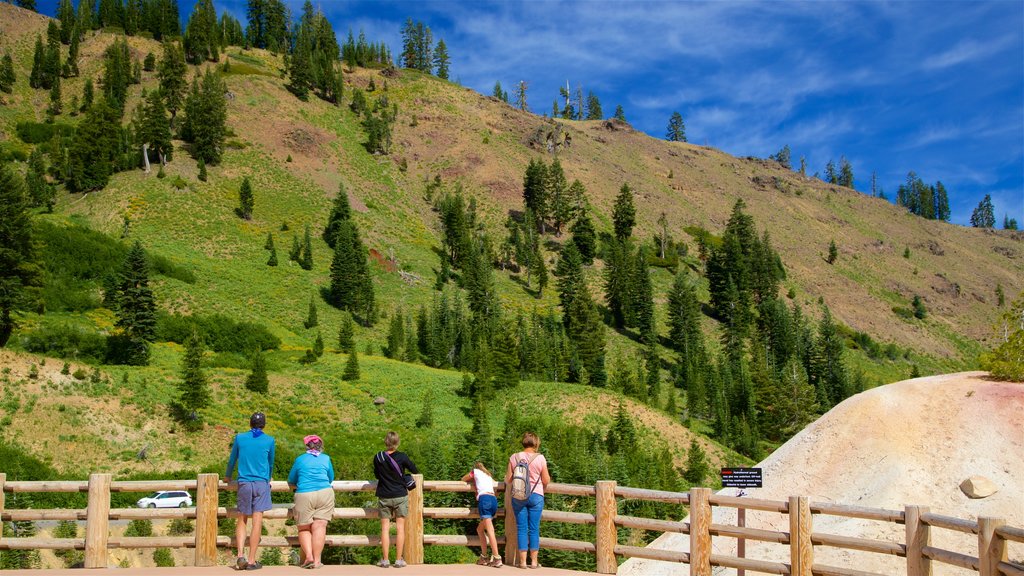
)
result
[(241, 563), (384, 563), (495, 562), (254, 566), (482, 561), (399, 563)]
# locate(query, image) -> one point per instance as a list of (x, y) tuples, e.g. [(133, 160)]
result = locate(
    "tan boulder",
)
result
[(978, 487)]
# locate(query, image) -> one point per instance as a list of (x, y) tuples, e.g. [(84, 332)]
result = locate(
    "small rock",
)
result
[(978, 487), (379, 401)]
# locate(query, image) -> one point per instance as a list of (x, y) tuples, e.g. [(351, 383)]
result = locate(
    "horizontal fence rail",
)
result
[(991, 559)]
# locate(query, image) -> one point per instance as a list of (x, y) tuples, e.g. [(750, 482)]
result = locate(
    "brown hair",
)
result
[(530, 440), (391, 440), (317, 445), (480, 466)]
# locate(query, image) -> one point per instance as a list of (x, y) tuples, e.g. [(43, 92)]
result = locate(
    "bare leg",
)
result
[(483, 538), (490, 535), (305, 543), (399, 538), (319, 538), (521, 561), (385, 537), (240, 535), (533, 557), (254, 536)]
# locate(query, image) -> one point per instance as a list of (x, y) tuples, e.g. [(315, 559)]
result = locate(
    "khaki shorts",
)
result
[(393, 508), (311, 506)]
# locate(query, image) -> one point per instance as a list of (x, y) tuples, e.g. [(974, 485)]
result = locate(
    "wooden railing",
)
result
[(992, 534)]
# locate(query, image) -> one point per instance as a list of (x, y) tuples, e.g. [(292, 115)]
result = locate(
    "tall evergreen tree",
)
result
[(535, 189), (206, 118), (346, 333), (624, 213), (584, 237), (35, 79), (941, 202), (311, 317), (117, 74), (593, 107), (560, 206), (40, 192), (95, 148), (351, 286), (202, 35), (136, 308), (676, 128), (7, 76), (20, 273), (441, 60), (830, 367), (66, 16), (193, 389), (984, 215), (845, 177), (620, 114), (340, 211), (171, 72), (156, 128)]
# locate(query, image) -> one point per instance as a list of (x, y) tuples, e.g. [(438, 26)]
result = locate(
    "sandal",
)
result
[(307, 564)]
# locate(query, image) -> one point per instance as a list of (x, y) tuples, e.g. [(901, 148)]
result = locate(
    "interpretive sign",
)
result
[(741, 477)]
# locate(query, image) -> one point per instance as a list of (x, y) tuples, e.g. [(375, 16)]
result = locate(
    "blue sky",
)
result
[(934, 87)]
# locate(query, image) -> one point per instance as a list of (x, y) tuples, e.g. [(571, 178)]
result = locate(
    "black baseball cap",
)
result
[(258, 420)]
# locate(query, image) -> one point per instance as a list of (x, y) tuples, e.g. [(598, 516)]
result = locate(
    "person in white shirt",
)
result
[(487, 505)]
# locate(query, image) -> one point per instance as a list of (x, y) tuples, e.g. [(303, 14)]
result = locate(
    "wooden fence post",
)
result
[(991, 547), (206, 519), (511, 533), (606, 534), (918, 536), (97, 521), (414, 524), (3, 480), (801, 551), (700, 531)]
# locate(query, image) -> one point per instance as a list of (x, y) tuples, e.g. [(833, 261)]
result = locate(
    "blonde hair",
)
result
[(530, 440), (391, 440), (480, 466)]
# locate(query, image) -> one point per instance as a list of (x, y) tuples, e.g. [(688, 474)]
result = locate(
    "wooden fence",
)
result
[(992, 534)]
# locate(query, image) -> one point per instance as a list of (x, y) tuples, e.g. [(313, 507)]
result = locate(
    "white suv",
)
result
[(165, 499)]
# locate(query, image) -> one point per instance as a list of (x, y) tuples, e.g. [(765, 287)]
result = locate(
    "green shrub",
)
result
[(139, 528), (903, 312), (219, 332), (180, 527), (162, 558), (40, 132), (179, 183), (271, 557), (66, 341)]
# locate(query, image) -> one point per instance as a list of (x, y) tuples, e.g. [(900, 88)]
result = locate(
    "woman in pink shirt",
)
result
[(528, 508)]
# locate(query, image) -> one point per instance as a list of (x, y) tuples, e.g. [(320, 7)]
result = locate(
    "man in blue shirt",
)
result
[(253, 451)]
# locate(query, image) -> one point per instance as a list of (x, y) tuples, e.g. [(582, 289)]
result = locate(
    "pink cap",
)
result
[(311, 438)]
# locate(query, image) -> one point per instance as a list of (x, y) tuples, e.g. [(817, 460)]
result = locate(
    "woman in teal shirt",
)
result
[(311, 478)]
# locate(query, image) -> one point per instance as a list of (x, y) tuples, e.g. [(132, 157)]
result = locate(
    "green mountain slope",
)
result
[(482, 145)]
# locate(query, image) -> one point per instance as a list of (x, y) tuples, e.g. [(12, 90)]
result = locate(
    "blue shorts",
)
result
[(487, 505), (253, 497)]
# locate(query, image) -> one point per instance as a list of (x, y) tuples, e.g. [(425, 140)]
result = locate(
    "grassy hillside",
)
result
[(483, 145)]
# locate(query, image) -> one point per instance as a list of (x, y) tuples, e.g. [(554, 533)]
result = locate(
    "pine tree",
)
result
[(35, 79), (318, 345), (135, 309), (833, 252), (295, 250), (845, 177), (20, 274), (117, 74), (521, 96), (593, 107), (206, 117), (789, 405), (984, 215), (941, 202), (40, 192), (346, 333), (441, 60), (201, 164), (697, 466), (351, 366), (676, 128), (245, 200), (171, 72), (351, 286), (480, 441), (1009, 223), (257, 380), (156, 130), (624, 213), (7, 77), (920, 312), (642, 300), (570, 281), (535, 190), (66, 16), (87, 95), (620, 114), (339, 211), (505, 358), (396, 336), (584, 237), (311, 319), (201, 40), (306, 256), (272, 261), (830, 367), (194, 392)]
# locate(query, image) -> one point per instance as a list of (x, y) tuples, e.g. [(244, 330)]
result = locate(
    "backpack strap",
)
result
[(394, 464)]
